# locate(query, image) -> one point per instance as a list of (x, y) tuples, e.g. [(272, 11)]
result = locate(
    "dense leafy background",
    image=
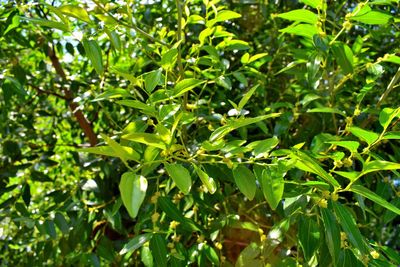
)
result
[(199, 133)]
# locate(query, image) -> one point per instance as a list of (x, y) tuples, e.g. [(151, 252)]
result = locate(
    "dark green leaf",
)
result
[(180, 175), (158, 248), (308, 235), (93, 52), (135, 243)]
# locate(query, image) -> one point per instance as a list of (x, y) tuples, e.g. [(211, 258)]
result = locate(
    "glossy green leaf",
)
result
[(349, 225), (247, 97), (367, 136), (263, 147), (308, 235), (76, 12), (180, 175), (115, 40), (365, 192), (308, 164), (146, 256), (158, 247), (93, 52), (124, 153), (133, 191), (127, 153), (272, 185), (207, 181), (300, 15), (137, 104), (389, 215), (387, 115), (238, 123), (319, 4), (135, 243), (373, 17), (352, 146), (185, 85), (349, 175), (379, 165), (145, 138), (305, 30), (245, 181), (326, 110), (222, 16), (169, 58), (344, 56), (332, 233), (48, 23), (152, 79), (392, 58)]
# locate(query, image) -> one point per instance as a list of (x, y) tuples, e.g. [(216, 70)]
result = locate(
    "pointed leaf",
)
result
[(305, 30), (332, 233), (387, 115), (48, 23), (352, 146), (365, 192), (137, 104), (364, 135), (136, 243), (373, 17), (133, 191), (309, 236), (180, 175), (93, 52), (207, 181), (301, 15), (128, 153), (272, 185), (349, 226), (379, 165), (145, 138), (152, 79), (186, 85), (247, 97), (343, 56), (245, 181), (158, 247), (76, 12)]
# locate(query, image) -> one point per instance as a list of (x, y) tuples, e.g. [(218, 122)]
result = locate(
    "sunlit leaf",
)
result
[(76, 12), (93, 52), (245, 181), (135, 243), (364, 135), (133, 191), (272, 185), (301, 15), (180, 175)]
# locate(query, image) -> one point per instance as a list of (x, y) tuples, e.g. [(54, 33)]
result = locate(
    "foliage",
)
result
[(232, 133)]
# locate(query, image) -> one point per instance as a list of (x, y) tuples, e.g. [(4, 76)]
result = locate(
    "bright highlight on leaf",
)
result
[(133, 191)]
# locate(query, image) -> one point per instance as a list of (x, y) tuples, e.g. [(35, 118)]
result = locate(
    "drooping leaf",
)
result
[(48, 23), (379, 165), (136, 243), (180, 175), (332, 233), (352, 146), (272, 185), (343, 56), (245, 181), (387, 115), (348, 224), (133, 191), (365, 192), (137, 104), (152, 79), (309, 235), (158, 247), (207, 181), (93, 52), (300, 15), (127, 153), (247, 97)]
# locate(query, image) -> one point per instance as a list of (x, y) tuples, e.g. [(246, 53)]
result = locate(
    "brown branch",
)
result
[(68, 94), (41, 91)]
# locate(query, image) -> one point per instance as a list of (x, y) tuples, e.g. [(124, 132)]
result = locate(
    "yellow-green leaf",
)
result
[(300, 15), (76, 12), (245, 181), (93, 52), (180, 175), (145, 138), (133, 191)]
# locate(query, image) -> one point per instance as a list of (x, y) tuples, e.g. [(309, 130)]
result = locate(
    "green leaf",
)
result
[(373, 17), (76, 12), (349, 226), (136, 243), (352, 176), (344, 56), (169, 58), (387, 115), (247, 97), (133, 191), (146, 257), (186, 85), (152, 79), (305, 30), (180, 175), (332, 234), (308, 235), (124, 153), (318, 4), (365, 192), (93, 52), (379, 165), (245, 181), (158, 247), (127, 153), (300, 15), (61, 223), (172, 212), (15, 21), (263, 147), (272, 185), (207, 181), (137, 104), (223, 16), (145, 138), (112, 93), (308, 164), (352, 146), (367, 136), (392, 58), (238, 123), (327, 110), (48, 23), (114, 38)]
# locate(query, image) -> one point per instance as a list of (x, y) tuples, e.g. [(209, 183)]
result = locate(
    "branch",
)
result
[(41, 91), (80, 117)]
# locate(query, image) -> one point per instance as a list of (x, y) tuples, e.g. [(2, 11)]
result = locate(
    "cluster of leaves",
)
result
[(232, 133)]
